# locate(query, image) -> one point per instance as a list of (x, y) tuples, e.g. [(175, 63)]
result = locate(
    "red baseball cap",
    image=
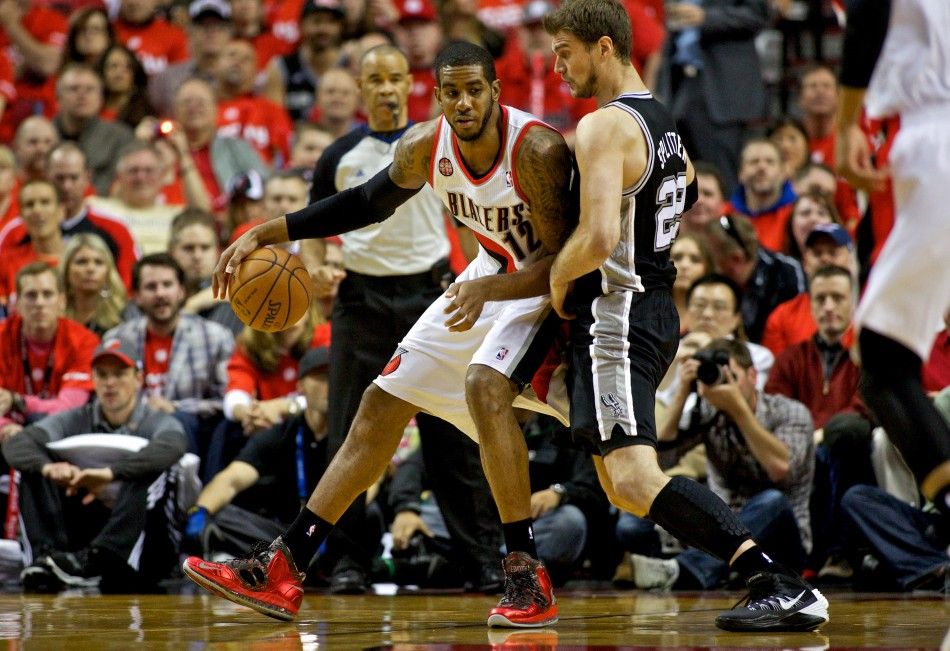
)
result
[(417, 10)]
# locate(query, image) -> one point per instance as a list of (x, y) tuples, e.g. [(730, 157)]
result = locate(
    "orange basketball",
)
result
[(270, 290)]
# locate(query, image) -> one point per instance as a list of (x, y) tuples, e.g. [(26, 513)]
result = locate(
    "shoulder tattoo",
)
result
[(413, 155)]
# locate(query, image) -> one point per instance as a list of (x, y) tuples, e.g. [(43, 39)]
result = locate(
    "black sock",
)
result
[(305, 536), (754, 560), (694, 514), (519, 537)]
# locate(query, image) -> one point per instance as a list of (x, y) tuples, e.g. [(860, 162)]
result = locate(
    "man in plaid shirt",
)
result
[(184, 357), (760, 460)]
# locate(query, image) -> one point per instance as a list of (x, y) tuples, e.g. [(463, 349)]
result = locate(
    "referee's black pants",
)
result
[(371, 315)]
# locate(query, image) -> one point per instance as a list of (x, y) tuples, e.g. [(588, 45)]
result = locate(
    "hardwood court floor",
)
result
[(589, 620)]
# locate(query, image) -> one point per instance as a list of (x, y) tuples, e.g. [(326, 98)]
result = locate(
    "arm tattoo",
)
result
[(413, 156), (545, 169)]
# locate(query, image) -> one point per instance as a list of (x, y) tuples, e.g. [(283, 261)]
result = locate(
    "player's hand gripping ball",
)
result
[(270, 290)]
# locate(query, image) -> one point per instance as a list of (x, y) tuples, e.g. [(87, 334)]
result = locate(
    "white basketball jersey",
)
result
[(913, 71), (492, 206)]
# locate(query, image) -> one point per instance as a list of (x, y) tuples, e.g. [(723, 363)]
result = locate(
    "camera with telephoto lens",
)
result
[(713, 366)]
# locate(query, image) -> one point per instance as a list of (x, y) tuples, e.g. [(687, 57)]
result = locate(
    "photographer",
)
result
[(760, 458)]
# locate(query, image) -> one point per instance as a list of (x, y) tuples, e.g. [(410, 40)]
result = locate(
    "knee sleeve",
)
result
[(692, 513)]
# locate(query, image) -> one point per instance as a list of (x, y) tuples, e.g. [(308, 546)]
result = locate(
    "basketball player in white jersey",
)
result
[(635, 178), (908, 290), (471, 357)]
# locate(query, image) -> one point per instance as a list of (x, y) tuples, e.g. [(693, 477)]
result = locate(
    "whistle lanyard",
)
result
[(302, 491), (28, 371)]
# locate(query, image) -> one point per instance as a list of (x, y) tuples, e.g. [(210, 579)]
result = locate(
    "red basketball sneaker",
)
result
[(528, 601), (267, 581)]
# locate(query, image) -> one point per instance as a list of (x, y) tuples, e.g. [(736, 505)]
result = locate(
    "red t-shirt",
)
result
[(792, 323), (35, 93), (72, 357), (261, 123), (532, 85), (881, 134), (283, 19), (14, 232), (12, 261), (421, 95), (769, 226), (157, 355), (244, 375), (156, 43), (267, 46), (202, 159), (823, 149), (936, 373)]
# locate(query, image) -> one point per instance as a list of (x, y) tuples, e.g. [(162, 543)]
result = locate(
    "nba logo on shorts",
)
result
[(501, 354), (445, 167)]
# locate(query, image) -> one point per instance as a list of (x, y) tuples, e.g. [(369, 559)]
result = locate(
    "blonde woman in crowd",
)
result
[(95, 295)]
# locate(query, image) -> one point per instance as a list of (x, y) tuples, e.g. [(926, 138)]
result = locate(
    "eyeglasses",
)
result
[(729, 226)]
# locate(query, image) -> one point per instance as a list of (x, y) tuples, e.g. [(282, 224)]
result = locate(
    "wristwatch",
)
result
[(559, 489), (295, 405), (17, 403)]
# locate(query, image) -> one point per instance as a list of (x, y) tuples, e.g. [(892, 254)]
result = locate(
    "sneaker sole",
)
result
[(806, 619), (262, 607), (71, 579), (40, 579), (497, 620)]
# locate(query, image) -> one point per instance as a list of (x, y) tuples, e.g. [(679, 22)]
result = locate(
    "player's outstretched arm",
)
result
[(345, 211)]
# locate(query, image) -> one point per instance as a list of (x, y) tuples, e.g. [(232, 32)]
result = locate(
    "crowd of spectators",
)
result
[(139, 137)]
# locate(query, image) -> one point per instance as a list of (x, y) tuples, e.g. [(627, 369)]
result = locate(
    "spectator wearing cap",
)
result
[(184, 356), (244, 114), (215, 159), (283, 193), (421, 37), (765, 278), (156, 42), (209, 31), (135, 201), (122, 508), (792, 322), (808, 210), (293, 79), (79, 93), (529, 81), (256, 495), (245, 204), (44, 357)]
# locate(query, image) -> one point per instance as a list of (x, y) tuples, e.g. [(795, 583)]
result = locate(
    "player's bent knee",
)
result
[(487, 390)]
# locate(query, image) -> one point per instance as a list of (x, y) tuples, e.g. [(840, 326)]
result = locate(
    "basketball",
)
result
[(270, 290)]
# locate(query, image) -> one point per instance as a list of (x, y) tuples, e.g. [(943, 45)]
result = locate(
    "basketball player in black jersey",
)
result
[(636, 180)]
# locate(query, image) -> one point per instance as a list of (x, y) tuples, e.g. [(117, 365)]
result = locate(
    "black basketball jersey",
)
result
[(650, 210)]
